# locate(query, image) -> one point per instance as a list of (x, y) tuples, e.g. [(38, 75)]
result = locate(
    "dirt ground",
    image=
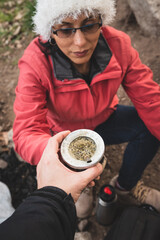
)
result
[(20, 177)]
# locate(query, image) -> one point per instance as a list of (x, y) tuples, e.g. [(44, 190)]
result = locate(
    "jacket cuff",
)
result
[(53, 192)]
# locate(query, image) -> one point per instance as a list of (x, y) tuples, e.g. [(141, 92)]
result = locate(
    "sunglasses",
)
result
[(68, 32)]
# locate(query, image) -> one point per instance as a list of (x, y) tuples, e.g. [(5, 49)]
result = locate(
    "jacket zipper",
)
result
[(68, 85)]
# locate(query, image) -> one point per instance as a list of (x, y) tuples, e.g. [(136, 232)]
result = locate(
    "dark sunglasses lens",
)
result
[(64, 33), (92, 28)]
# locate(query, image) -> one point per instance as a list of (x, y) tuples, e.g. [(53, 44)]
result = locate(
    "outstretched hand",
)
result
[(51, 172)]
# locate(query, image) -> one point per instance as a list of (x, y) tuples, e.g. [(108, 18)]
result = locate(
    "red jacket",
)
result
[(50, 98)]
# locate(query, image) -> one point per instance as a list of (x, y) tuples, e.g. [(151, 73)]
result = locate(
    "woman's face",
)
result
[(80, 46)]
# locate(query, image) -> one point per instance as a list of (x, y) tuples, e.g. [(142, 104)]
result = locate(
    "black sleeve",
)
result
[(48, 214)]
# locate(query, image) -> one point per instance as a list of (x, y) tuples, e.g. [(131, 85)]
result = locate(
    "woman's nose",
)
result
[(79, 38)]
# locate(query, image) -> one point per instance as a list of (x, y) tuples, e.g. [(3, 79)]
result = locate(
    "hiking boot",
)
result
[(84, 205), (142, 193), (146, 195)]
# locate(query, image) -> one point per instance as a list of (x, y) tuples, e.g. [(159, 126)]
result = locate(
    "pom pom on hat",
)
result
[(51, 12)]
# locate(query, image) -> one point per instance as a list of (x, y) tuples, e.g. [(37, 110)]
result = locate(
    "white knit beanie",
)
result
[(51, 12)]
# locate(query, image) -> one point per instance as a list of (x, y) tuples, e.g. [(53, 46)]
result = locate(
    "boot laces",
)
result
[(140, 191)]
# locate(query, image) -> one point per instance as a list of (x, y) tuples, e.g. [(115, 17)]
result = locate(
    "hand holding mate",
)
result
[(52, 172)]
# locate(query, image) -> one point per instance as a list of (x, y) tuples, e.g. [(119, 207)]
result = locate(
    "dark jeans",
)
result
[(124, 125)]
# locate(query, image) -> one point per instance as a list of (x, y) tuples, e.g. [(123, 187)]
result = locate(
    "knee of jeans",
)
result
[(145, 133)]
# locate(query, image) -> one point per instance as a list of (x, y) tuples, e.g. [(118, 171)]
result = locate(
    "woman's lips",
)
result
[(81, 54)]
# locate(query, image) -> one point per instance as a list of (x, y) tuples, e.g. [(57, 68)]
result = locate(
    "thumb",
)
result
[(91, 173), (56, 140), (61, 135)]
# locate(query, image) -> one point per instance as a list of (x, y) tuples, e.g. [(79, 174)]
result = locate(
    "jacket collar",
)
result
[(63, 68)]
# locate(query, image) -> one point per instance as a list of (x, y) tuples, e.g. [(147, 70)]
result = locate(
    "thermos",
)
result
[(107, 205)]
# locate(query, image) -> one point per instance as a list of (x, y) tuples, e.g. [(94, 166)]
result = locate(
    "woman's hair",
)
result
[(51, 12)]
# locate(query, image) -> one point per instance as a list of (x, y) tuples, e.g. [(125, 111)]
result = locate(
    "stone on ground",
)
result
[(82, 236), (6, 208), (147, 13)]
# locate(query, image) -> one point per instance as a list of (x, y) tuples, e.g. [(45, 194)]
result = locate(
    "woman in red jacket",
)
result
[(69, 77)]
